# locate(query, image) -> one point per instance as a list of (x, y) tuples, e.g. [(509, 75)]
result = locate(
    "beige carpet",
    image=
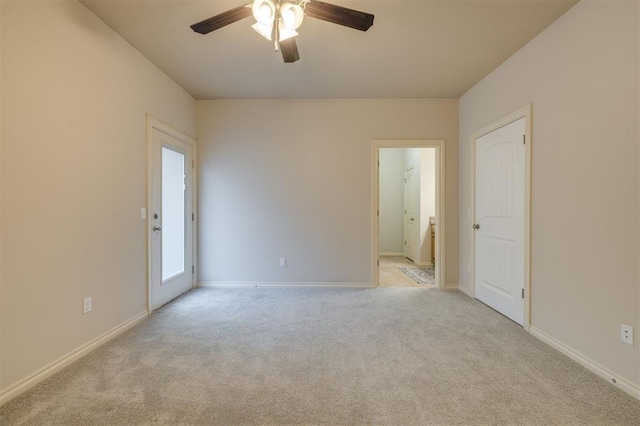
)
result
[(396, 356)]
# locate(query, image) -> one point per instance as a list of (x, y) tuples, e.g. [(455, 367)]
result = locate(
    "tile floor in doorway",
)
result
[(392, 276)]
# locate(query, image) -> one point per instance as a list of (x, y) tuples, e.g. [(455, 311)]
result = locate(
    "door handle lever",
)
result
[(476, 226), (157, 228)]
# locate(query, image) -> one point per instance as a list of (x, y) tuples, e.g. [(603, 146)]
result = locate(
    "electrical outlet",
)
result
[(86, 305), (626, 334), (283, 262)]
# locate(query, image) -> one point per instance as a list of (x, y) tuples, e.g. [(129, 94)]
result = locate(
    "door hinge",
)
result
[(378, 163), (524, 139), (193, 164), (193, 269), (193, 217), (523, 293), (378, 263), (378, 213), (405, 243)]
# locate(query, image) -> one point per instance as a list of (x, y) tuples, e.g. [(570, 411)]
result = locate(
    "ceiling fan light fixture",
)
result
[(264, 30), (264, 11), (285, 33), (291, 15), (278, 20)]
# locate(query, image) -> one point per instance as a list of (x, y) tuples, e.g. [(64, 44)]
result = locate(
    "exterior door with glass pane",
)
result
[(170, 218)]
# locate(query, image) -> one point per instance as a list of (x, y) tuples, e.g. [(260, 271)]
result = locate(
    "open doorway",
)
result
[(408, 214)]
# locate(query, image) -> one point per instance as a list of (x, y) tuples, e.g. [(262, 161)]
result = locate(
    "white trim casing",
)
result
[(588, 363), (439, 145), (62, 362), (152, 123), (194, 206), (525, 112)]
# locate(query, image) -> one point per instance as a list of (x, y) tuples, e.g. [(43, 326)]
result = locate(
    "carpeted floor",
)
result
[(398, 356)]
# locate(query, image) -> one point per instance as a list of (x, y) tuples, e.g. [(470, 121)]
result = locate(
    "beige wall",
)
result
[(581, 74), (0, 196), (292, 179), (73, 178)]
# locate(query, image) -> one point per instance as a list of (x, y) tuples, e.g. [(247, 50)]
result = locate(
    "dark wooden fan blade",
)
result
[(339, 15), (221, 20), (289, 50)]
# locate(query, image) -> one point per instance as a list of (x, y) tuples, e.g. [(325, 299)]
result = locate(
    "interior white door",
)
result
[(171, 219), (500, 226), (409, 214)]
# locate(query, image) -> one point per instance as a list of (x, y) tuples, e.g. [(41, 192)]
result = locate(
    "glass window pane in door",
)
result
[(173, 213)]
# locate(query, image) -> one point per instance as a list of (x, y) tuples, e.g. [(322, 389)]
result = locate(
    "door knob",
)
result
[(157, 228), (476, 226), (412, 219)]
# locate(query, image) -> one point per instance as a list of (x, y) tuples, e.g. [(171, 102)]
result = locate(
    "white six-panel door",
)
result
[(500, 222)]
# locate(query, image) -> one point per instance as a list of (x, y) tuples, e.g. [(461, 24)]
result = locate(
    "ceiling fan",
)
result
[(278, 20)]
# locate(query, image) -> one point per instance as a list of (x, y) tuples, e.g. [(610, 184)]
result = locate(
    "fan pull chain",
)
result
[(276, 32)]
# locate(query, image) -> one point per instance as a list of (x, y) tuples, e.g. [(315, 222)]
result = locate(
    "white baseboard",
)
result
[(283, 284), (450, 286), (620, 382), (423, 263), (391, 253), (466, 291), (57, 365)]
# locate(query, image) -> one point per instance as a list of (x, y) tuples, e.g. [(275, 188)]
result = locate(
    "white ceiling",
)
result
[(415, 49)]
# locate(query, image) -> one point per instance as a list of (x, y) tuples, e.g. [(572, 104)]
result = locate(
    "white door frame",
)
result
[(439, 145), (152, 123), (526, 113)]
